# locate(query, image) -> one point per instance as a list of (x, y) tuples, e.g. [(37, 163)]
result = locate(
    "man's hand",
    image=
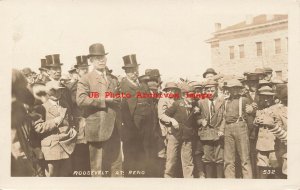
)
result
[(249, 109), (203, 122), (220, 133), (174, 123)]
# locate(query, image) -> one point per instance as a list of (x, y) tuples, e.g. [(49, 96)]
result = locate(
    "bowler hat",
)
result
[(81, 61), (43, 65), (209, 70), (266, 90), (251, 76), (171, 85), (53, 60), (96, 50), (130, 61)]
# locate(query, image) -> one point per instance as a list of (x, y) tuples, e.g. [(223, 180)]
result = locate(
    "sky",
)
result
[(167, 35)]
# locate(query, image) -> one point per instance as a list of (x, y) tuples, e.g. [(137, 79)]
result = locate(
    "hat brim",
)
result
[(130, 66), (171, 88), (267, 93), (204, 74), (60, 64), (92, 55), (81, 66), (43, 69)]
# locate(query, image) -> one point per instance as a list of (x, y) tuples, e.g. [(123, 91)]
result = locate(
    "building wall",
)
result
[(278, 62)]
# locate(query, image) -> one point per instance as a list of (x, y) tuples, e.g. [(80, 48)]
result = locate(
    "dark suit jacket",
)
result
[(129, 109), (215, 122), (100, 116), (179, 112), (253, 130)]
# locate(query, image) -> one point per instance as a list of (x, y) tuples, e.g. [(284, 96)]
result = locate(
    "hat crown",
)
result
[(268, 70), (130, 59), (171, 85), (53, 60), (26, 71), (43, 63), (81, 61), (233, 83), (210, 83), (209, 70), (97, 49), (266, 90)]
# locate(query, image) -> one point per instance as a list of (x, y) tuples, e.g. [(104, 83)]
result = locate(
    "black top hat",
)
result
[(209, 70), (130, 61), (96, 50), (53, 60), (43, 65), (81, 61)]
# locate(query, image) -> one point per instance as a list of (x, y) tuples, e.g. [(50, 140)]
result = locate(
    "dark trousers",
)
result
[(58, 168), (236, 138), (81, 160), (105, 157)]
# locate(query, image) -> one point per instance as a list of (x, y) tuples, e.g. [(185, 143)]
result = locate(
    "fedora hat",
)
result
[(82, 61), (171, 85), (209, 70), (184, 87), (96, 50), (53, 60), (43, 65), (130, 61)]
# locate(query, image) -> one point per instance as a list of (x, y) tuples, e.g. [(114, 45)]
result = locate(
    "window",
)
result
[(242, 53), (277, 46), (259, 48), (231, 52)]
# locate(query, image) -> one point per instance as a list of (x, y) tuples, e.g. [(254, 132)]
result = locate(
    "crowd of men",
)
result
[(59, 129)]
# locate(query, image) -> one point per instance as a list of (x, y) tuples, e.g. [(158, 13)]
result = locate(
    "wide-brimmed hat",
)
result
[(171, 85), (81, 61), (96, 49), (53, 60), (209, 70), (130, 61), (43, 65), (266, 90)]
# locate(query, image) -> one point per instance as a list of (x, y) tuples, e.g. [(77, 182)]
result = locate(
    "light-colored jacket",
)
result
[(164, 120)]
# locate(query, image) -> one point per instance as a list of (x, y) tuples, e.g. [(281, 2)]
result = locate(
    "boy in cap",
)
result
[(236, 130), (181, 117), (56, 130), (268, 162), (211, 131)]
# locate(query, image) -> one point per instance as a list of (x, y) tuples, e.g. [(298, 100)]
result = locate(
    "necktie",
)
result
[(212, 108)]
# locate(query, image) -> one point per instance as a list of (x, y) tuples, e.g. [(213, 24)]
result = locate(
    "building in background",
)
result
[(260, 41)]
